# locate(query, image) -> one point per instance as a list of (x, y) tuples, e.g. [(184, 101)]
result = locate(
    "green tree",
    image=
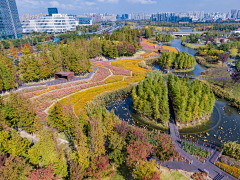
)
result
[(15, 168), (145, 170), (25, 50), (58, 117), (46, 152), (97, 138), (117, 149)]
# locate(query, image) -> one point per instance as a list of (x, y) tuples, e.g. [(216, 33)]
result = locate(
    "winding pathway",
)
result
[(214, 172)]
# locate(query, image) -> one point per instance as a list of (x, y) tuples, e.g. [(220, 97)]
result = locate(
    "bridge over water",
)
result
[(185, 33)]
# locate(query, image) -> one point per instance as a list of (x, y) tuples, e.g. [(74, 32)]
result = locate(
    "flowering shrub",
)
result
[(234, 171), (150, 46), (171, 49), (101, 74), (147, 45), (46, 98), (133, 66), (113, 79), (199, 176), (82, 98), (115, 70), (229, 161)]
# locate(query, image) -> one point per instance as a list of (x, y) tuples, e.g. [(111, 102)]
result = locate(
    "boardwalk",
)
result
[(214, 172)]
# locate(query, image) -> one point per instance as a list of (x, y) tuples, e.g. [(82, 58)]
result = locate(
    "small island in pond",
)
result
[(192, 101)]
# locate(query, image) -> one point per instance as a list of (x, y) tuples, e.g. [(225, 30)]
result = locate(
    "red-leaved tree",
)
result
[(100, 168), (138, 151), (43, 174), (223, 57), (155, 176), (165, 148)]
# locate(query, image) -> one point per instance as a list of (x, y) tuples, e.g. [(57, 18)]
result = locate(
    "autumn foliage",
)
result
[(100, 168)]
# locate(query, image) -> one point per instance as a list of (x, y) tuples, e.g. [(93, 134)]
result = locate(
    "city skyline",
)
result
[(125, 6)]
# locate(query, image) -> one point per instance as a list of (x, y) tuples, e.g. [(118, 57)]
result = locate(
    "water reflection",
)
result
[(224, 124), (198, 68)]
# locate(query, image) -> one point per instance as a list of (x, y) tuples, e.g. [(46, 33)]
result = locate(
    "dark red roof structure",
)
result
[(64, 75)]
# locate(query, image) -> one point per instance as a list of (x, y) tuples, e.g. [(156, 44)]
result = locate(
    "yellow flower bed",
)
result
[(155, 50), (131, 65), (171, 49), (146, 41), (229, 169), (113, 79), (80, 99)]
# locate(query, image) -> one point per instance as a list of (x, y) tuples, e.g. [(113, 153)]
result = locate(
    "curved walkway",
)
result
[(55, 82), (214, 172), (46, 110)]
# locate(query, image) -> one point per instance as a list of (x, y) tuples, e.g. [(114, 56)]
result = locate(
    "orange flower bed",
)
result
[(171, 49)]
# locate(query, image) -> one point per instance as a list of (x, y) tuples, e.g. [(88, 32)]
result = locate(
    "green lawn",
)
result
[(192, 46), (118, 177), (172, 175), (165, 175)]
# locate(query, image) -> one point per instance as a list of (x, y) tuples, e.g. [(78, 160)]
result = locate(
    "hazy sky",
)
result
[(79, 7)]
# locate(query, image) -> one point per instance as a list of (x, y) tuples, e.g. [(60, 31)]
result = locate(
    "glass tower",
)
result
[(10, 26), (52, 11)]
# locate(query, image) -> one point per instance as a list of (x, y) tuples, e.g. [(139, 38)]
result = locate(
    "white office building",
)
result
[(50, 24)]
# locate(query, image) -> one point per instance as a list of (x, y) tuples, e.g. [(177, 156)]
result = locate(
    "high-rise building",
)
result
[(228, 15), (202, 15), (10, 26), (197, 14), (52, 11), (233, 13), (238, 14)]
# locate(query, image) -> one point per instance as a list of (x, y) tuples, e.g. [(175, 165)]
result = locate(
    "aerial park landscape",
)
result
[(142, 103)]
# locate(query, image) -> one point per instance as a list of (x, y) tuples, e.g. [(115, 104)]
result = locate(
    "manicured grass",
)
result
[(171, 175), (117, 176), (193, 46)]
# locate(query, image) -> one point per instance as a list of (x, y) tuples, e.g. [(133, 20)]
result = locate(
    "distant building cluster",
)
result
[(134, 16), (27, 17), (196, 16), (12, 25)]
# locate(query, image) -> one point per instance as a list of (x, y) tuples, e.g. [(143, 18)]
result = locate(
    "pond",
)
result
[(177, 44), (198, 68), (224, 124)]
